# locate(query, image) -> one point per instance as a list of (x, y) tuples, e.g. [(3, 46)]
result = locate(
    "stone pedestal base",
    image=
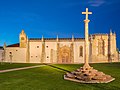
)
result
[(88, 75)]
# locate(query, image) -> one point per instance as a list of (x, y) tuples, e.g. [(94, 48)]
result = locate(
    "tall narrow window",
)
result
[(81, 51)]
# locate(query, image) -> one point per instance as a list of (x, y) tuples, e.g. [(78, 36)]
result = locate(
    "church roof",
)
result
[(14, 45), (1, 47)]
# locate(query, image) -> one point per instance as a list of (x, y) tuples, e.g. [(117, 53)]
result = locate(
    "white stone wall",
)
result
[(35, 49), (65, 43), (77, 57), (48, 47), (1, 51), (35, 52), (19, 54)]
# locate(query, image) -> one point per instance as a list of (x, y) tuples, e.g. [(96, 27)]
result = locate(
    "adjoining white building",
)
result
[(1, 54), (102, 48)]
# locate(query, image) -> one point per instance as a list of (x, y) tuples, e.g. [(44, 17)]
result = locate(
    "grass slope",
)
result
[(51, 78)]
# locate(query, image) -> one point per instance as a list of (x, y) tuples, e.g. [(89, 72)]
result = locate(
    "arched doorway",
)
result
[(64, 55)]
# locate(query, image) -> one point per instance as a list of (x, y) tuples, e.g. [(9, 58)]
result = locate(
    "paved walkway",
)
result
[(23, 68)]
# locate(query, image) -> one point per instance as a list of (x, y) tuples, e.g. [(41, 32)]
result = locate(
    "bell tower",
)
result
[(23, 39)]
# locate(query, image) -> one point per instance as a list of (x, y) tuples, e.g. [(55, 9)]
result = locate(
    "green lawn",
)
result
[(5, 66), (51, 78)]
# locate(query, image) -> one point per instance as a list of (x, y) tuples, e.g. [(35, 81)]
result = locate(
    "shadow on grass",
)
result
[(57, 68)]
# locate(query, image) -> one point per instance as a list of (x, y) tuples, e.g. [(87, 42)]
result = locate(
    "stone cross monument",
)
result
[(87, 74), (86, 65)]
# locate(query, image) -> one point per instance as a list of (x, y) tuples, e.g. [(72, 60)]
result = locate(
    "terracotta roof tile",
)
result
[(14, 45)]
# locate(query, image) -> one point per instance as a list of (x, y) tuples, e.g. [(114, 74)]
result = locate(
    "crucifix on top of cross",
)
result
[(86, 13)]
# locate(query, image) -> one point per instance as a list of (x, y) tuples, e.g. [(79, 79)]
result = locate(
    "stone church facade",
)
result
[(102, 48)]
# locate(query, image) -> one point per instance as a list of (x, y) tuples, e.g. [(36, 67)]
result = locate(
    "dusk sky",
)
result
[(57, 17)]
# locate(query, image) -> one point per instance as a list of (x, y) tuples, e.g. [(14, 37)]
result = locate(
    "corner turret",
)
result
[(23, 39)]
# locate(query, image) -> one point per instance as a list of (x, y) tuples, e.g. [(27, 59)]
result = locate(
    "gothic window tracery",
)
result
[(101, 45)]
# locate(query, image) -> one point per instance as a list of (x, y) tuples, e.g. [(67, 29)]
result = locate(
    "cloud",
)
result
[(93, 3), (96, 3)]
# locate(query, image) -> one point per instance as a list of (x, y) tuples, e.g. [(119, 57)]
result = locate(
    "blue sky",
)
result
[(52, 17)]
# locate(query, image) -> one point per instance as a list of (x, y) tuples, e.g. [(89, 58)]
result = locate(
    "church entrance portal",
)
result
[(64, 55)]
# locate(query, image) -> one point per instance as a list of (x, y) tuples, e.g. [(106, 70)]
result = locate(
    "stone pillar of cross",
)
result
[(86, 21)]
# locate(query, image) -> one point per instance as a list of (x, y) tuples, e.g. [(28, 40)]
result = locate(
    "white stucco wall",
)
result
[(19, 54), (77, 57), (48, 47), (35, 49), (1, 56), (35, 52)]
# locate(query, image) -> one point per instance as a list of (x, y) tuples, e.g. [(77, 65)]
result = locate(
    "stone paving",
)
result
[(23, 68)]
